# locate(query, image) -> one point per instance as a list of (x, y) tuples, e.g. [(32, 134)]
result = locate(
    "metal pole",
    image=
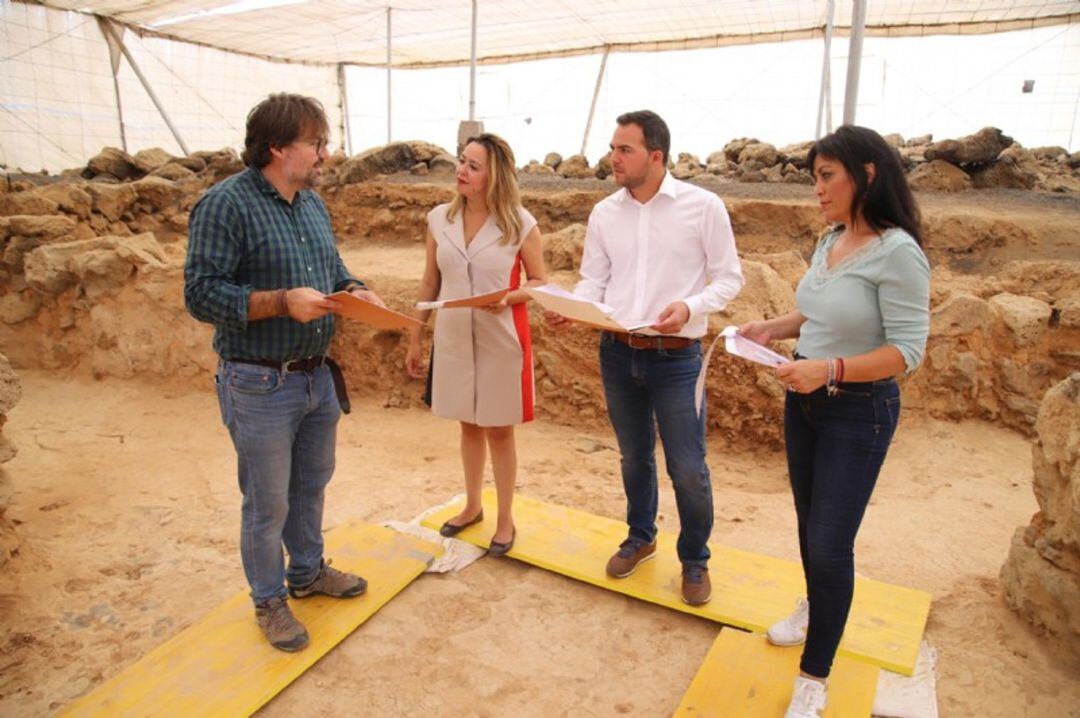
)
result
[(107, 27), (472, 67), (114, 60), (595, 94), (825, 100), (389, 125), (851, 92), (343, 100)]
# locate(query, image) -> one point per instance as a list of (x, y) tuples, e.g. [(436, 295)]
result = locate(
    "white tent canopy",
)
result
[(437, 32)]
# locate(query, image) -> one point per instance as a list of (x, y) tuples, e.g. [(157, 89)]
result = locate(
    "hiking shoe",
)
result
[(807, 700), (791, 631), (696, 586), (631, 553), (280, 626), (331, 582)]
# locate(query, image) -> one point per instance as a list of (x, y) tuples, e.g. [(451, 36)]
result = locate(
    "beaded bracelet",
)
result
[(830, 377)]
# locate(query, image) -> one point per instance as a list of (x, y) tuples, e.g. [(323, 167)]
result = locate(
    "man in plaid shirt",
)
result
[(261, 259)]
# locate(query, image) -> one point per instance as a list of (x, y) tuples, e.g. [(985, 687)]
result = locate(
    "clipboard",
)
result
[(479, 300), (353, 307)]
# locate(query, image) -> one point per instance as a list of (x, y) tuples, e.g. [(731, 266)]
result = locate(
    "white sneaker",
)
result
[(807, 700), (791, 631)]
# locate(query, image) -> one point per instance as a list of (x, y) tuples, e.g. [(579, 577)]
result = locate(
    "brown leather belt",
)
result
[(307, 364), (648, 341)]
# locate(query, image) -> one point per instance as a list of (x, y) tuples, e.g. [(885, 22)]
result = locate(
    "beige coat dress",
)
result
[(482, 369)]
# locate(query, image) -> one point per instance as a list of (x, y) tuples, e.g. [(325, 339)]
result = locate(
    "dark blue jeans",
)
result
[(648, 389), (284, 428), (835, 448)]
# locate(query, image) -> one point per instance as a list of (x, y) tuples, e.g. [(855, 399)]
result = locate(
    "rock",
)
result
[(224, 164), (157, 192), (920, 141), (1074, 160), (151, 159), (603, 167), (716, 158), (686, 157), (733, 149), (194, 163), (112, 200), (562, 249), (69, 197), (576, 167), (1027, 317), (894, 140), (795, 154), (912, 156), (425, 151), (686, 170), (1015, 168), (27, 203), (420, 168), (172, 171), (19, 306), (443, 165), (982, 147), (394, 157), (1051, 154), (939, 176), (962, 314), (553, 160), (761, 152), (1068, 309), (1041, 576), (45, 228), (789, 265), (774, 174), (10, 387), (115, 163), (766, 294), (716, 168), (536, 168)]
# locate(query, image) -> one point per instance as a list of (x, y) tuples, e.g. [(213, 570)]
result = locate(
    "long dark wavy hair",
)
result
[(887, 201)]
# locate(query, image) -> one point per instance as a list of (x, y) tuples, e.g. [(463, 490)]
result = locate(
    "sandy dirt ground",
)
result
[(126, 501)]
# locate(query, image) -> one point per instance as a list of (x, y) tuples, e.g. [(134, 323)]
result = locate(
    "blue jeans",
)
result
[(835, 448), (284, 428), (648, 389)]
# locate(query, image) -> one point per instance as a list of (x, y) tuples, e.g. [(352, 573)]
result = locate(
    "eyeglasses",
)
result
[(319, 144)]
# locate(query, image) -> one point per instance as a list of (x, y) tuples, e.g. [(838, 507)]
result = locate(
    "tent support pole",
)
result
[(114, 62), (107, 28), (851, 92), (472, 67), (389, 125), (343, 100), (825, 100), (595, 95)]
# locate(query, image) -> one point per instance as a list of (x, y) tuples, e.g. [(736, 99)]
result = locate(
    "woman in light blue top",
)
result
[(862, 318)]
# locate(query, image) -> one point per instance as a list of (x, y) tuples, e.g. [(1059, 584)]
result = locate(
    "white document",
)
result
[(584, 311), (740, 346)]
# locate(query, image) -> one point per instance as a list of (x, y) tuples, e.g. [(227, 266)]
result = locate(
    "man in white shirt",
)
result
[(660, 252)]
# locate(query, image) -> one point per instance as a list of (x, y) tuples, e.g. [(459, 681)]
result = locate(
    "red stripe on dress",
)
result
[(521, 324)]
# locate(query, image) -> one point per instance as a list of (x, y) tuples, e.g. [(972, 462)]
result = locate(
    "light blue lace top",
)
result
[(880, 294)]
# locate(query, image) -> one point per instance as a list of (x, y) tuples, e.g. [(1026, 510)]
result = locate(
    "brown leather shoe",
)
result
[(631, 553), (696, 586)]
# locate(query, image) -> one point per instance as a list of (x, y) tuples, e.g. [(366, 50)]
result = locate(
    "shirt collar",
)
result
[(266, 187), (668, 186)]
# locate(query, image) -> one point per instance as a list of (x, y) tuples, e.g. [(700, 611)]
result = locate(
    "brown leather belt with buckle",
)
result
[(307, 364), (648, 341)]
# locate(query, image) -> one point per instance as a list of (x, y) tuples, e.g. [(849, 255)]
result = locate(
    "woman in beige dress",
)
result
[(481, 370)]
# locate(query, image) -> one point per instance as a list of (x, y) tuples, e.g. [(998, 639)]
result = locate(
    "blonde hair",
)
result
[(503, 197)]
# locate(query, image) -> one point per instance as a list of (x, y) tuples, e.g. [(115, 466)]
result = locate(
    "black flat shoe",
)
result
[(450, 530), (501, 549)]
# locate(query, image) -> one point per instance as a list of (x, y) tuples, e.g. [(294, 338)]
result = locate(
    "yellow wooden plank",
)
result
[(222, 665), (744, 676), (750, 590)]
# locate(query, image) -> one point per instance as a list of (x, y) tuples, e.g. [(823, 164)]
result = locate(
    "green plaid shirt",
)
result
[(242, 237)]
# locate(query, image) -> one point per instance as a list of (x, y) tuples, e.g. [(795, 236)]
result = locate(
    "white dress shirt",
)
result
[(639, 258)]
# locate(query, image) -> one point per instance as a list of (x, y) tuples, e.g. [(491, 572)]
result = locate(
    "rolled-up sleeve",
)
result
[(904, 302), (723, 271), (215, 246)]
